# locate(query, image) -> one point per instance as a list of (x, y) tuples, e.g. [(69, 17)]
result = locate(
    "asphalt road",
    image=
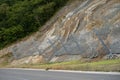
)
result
[(22, 74)]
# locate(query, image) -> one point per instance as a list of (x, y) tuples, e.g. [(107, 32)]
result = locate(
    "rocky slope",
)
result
[(83, 28)]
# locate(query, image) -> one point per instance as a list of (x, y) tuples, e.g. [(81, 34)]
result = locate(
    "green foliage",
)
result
[(19, 18)]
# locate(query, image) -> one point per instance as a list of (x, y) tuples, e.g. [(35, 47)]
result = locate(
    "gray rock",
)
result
[(79, 19)]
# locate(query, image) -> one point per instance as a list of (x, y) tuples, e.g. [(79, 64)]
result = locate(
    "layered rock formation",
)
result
[(76, 31)]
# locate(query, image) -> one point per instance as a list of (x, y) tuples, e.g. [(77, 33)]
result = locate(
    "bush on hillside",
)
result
[(19, 18)]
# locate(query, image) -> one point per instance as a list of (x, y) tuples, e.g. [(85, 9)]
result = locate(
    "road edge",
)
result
[(70, 71)]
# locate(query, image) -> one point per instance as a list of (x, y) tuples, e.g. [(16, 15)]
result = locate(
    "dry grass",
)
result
[(105, 65), (5, 59)]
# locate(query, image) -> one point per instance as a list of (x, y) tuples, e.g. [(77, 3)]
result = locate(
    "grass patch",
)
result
[(5, 59), (104, 65)]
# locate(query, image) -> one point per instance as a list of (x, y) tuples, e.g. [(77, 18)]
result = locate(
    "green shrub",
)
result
[(19, 18)]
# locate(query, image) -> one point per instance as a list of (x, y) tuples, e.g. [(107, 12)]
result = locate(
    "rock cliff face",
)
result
[(86, 28)]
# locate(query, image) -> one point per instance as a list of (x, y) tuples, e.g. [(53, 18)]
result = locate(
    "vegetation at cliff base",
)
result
[(19, 18), (103, 65)]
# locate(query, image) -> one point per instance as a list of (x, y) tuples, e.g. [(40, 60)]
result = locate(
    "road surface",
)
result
[(28, 74)]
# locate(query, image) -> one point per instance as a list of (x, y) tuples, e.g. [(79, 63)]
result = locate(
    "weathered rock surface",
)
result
[(72, 31), (28, 60)]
